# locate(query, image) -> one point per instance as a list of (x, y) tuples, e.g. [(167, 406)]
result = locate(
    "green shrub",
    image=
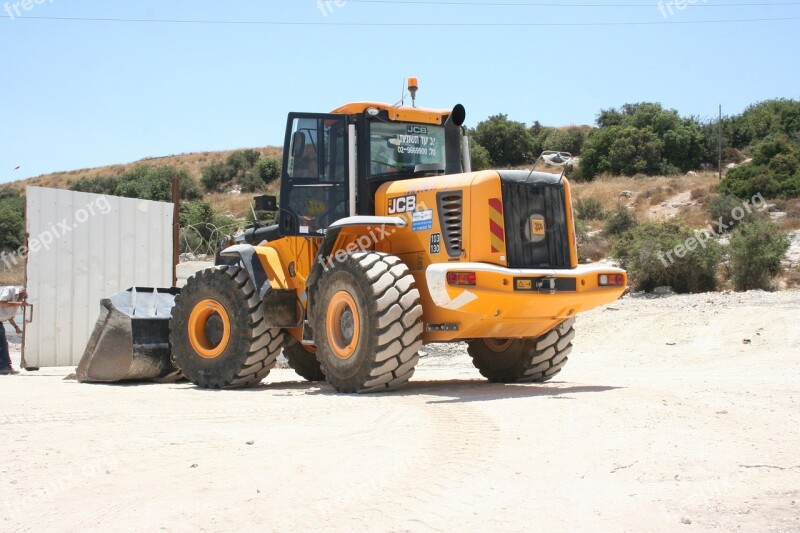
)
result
[(509, 142), (143, 181), (619, 221), (539, 135), (268, 169), (659, 254), (644, 138), (723, 207), (216, 174), (12, 220), (480, 156), (98, 185), (756, 249), (770, 118), (581, 231), (774, 172), (566, 140), (589, 209), (250, 182), (242, 160)]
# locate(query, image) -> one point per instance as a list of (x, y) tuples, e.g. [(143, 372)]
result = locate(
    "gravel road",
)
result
[(674, 414)]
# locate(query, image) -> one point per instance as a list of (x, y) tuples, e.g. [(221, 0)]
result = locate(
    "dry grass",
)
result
[(792, 209), (595, 248), (695, 216), (646, 191), (236, 205), (789, 279), (15, 275), (193, 163)]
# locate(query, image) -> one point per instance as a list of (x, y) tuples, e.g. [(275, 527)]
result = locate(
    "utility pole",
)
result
[(176, 227), (719, 141)]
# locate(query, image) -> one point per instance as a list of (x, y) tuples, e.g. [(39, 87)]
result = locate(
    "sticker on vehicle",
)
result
[(422, 220), (315, 207), (538, 229), (436, 243)]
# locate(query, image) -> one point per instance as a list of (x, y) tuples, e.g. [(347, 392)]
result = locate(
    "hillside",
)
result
[(236, 205), (627, 207)]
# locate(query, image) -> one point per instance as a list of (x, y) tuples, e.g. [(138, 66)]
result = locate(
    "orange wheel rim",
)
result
[(343, 325), (206, 318), (498, 345)]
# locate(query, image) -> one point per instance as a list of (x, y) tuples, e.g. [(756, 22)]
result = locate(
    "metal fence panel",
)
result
[(82, 248)]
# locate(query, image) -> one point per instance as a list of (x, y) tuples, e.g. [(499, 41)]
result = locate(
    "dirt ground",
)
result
[(674, 414)]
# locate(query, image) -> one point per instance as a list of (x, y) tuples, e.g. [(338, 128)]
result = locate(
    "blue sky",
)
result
[(77, 94)]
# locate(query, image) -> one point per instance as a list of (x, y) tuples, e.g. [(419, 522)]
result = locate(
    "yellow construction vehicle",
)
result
[(385, 241)]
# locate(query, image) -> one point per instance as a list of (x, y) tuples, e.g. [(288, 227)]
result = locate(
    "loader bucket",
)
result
[(130, 341)]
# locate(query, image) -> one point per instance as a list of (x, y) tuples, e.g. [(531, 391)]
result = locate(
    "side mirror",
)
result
[(266, 203), (298, 144)]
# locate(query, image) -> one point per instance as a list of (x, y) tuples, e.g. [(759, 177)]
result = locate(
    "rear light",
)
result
[(462, 278), (612, 280)]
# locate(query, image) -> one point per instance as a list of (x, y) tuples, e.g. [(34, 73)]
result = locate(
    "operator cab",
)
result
[(326, 178)]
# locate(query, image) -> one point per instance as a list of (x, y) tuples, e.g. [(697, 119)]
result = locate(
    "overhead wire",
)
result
[(399, 24)]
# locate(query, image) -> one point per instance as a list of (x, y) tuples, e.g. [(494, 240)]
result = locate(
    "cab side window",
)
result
[(317, 150), (314, 191)]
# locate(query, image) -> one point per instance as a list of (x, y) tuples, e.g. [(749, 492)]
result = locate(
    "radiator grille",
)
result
[(451, 219), (524, 201)]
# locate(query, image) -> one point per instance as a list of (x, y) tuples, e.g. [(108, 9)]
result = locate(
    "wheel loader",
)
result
[(385, 241)]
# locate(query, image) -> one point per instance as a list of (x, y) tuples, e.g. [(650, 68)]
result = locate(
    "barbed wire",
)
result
[(203, 238)]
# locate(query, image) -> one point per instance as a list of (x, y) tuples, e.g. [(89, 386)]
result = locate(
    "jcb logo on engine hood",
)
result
[(538, 229), (402, 204)]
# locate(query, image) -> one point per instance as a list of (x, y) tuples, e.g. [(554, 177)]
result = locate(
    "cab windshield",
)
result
[(401, 147)]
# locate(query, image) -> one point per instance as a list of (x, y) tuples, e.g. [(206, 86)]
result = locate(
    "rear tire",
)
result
[(217, 333), (302, 361), (367, 323), (524, 360)]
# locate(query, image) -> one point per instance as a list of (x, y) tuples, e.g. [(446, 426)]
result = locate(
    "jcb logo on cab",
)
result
[(402, 204)]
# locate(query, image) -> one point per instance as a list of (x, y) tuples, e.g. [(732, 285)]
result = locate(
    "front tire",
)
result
[(524, 360), (217, 333), (367, 323)]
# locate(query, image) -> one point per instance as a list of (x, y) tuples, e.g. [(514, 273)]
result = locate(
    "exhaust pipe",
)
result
[(452, 140)]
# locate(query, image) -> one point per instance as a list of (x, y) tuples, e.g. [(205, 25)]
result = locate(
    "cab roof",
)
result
[(397, 113)]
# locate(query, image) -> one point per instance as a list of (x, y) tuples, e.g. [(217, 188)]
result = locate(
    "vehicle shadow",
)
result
[(450, 390), (466, 391), (442, 391)]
